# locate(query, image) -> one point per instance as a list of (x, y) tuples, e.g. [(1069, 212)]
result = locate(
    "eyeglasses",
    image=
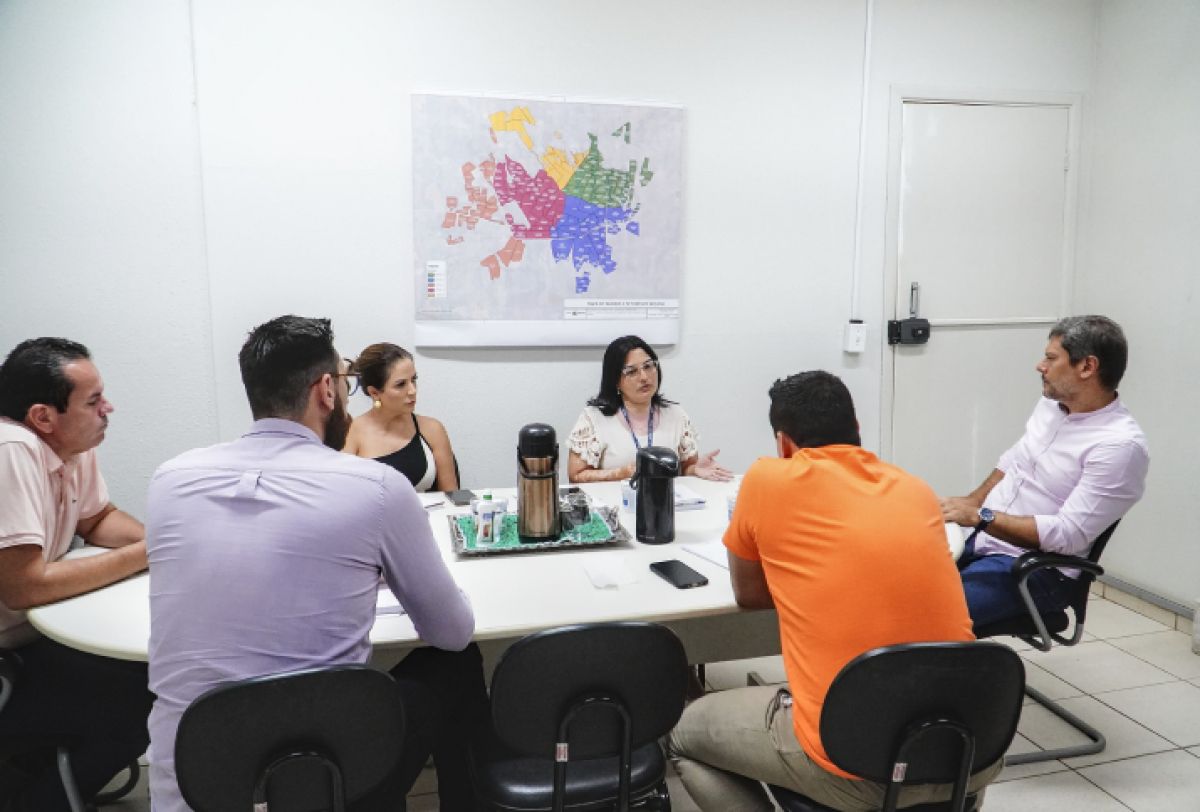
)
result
[(650, 368), (353, 379)]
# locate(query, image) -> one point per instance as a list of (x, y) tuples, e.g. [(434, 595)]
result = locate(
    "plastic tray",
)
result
[(603, 528)]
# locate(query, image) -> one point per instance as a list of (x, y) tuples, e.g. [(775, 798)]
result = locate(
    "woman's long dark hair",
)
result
[(608, 401)]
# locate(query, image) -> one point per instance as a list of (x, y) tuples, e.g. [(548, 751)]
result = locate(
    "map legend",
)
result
[(435, 273)]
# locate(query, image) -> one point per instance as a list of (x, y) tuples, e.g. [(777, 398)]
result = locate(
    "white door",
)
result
[(983, 227)]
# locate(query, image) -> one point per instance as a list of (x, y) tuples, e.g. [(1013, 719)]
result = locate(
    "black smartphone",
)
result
[(678, 574), (461, 498)]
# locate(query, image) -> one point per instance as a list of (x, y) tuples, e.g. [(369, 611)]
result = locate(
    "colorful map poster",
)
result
[(544, 221)]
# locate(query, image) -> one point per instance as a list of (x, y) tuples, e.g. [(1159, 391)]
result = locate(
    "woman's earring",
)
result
[(378, 404)]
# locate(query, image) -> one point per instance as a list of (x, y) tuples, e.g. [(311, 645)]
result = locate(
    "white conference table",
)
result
[(512, 595)]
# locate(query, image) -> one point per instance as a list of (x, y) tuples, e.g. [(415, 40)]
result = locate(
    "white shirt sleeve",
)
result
[(1113, 480)]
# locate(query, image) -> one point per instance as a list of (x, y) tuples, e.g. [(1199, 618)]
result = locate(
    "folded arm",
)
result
[(27, 580), (578, 470), (1021, 531), (111, 528)]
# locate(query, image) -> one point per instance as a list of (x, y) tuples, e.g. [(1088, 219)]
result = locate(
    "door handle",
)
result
[(914, 299)]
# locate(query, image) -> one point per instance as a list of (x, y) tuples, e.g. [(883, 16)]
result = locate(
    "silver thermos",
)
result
[(538, 516), (654, 481)]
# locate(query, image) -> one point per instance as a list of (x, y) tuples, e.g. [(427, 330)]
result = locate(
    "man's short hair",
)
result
[(280, 362), (35, 372), (814, 409), (1099, 336)]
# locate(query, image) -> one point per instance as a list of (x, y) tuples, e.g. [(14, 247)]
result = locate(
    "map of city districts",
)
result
[(536, 219)]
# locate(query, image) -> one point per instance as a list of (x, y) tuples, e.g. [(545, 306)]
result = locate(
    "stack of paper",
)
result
[(386, 603), (686, 498), (433, 500)]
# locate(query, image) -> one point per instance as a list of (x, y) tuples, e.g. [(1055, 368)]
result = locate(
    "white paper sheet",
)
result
[(433, 500), (686, 498), (609, 571), (713, 551), (386, 603)]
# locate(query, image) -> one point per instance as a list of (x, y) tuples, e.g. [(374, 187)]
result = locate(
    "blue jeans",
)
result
[(992, 593)]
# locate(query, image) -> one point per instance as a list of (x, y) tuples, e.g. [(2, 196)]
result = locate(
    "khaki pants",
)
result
[(728, 742)]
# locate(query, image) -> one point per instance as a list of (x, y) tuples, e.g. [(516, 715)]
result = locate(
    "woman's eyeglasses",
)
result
[(650, 367)]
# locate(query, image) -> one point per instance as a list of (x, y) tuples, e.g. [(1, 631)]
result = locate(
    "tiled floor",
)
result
[(1133, 677)]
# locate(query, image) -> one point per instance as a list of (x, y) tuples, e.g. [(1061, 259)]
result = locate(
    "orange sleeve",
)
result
[(741, 538)]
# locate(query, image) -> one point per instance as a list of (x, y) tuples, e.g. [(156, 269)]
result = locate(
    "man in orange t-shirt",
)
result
[(852, 553)]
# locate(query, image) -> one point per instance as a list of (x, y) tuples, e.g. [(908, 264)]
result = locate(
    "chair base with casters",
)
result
[(790, 801), (511, 781), (10, 669), (1042, 631)]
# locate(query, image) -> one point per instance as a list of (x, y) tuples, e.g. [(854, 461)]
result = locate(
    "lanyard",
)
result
[(649, 430)]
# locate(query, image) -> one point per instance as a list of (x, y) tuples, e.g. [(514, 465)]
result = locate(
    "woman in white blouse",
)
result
[(630, 414)]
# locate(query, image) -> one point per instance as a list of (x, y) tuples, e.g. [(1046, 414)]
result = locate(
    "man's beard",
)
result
[(337, 426)]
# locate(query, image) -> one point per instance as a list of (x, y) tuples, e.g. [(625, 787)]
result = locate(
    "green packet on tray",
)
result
[(602, 527)]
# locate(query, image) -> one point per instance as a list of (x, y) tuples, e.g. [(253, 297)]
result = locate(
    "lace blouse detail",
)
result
[(604, 442), (584, 441), (689, 442)]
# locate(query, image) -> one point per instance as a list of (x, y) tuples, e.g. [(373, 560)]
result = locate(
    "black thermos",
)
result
[(656, 468)]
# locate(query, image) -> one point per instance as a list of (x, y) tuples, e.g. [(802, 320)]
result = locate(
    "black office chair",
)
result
[(919, 713), (300, 742), (10, 673), (576, 717), (1042, 631)]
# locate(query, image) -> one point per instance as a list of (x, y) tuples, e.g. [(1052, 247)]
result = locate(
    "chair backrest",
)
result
[(350, 715), (541, 677), (882, 694), (1083, 583)]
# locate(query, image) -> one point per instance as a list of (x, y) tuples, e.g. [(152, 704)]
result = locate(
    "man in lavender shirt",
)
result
[(266, 555), (1080, 467)]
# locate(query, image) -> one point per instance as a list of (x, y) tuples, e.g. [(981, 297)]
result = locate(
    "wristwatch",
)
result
[(986, 517)]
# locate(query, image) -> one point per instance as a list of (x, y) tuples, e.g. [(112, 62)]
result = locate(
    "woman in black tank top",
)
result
[(391, 432)]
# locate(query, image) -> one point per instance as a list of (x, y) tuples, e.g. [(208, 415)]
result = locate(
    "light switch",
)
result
[(856, 336)]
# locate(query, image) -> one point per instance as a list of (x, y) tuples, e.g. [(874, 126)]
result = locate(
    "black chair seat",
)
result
[(1024, 625), (793, 802), (510, 780)]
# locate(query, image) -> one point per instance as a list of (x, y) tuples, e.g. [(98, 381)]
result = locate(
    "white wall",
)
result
[(304, 126), (304, 203), (1141, 265), (101, 218)]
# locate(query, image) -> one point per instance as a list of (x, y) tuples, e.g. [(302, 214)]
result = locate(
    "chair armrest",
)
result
[(1027, 565), (1030, 563)]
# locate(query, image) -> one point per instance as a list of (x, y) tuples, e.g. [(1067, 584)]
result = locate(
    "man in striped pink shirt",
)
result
[(1080, 466)]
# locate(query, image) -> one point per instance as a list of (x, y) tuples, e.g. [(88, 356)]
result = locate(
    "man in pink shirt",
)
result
[(1080, 466), (53, 414)]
